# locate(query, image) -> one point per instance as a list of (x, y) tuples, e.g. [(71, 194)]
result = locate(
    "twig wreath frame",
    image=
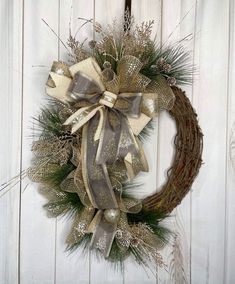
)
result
[(187, 159)]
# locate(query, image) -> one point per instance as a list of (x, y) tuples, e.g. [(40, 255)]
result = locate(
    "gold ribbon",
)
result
[(113, 109), (88, 221)]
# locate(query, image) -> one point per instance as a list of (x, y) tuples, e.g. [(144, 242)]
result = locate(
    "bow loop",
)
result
[(111, 80), (128, 71), (83, 87), (129, 104)]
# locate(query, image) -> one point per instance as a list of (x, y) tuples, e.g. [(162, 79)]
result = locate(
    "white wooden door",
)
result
[(32, 245)]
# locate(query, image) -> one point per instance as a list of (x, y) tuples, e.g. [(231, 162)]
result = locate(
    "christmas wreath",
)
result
[(89, 149)]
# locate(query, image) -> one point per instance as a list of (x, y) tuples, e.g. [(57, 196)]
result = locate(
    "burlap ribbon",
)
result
[(91, 221), (112, 110)]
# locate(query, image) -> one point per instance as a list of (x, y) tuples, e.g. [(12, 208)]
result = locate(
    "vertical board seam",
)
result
[(58, 55), (191, 202), (226, 147), (93, 37), (21, 137), (55, 248), (158, 123)]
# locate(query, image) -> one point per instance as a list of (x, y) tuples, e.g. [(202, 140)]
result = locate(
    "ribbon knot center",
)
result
[(108, 99)]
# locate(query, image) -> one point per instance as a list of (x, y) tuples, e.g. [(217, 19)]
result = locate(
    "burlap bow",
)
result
[(113, 109)]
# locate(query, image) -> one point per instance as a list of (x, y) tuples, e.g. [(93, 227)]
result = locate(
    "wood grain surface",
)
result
[(32, 246)]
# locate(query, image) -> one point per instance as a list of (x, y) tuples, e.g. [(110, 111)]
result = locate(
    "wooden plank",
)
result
[(171, 12), (229, 272), (73, 268), (37, 251), (177, 23), (210, 101), (102, 271), (143, 12), (10, 135)]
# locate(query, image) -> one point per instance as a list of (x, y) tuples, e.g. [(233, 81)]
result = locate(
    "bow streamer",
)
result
[(112, 109)]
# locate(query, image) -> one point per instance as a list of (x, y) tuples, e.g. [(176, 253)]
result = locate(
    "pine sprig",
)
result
[(49, 123), (147, 131), (171, 62), (58, 174), (62, 203), (152, 219)]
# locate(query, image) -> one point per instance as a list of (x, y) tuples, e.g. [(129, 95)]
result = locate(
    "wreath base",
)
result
[(187, 158)]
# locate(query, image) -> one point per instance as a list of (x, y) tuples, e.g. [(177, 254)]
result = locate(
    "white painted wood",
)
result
[(171, 14), (142, 12), (229, 272), (178, 19), (37, 247), (10, 135), (100, 270), (210, 100), (206, 217), (75, 266)]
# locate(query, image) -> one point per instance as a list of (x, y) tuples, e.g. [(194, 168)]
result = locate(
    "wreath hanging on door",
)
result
[(89, 149)]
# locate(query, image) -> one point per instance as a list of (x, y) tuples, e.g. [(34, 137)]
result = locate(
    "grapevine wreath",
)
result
[(89, 149)]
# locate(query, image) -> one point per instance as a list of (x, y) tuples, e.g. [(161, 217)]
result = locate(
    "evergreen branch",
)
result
[(147, 131), (56, 176), (177, 61)]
